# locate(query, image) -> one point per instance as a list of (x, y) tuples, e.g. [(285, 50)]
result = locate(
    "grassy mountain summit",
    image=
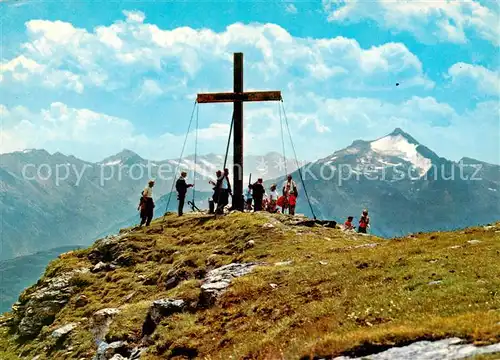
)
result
[(257, 286)]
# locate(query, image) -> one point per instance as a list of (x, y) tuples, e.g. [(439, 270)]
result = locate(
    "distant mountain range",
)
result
[(51, 200), (405, 186)]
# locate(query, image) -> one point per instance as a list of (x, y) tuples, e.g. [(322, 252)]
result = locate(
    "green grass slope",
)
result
[(337, 293)]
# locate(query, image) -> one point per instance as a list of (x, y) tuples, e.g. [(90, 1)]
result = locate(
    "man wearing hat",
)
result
[(182, 188), (147, 204)]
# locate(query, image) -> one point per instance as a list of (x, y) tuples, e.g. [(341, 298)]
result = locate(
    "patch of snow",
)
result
[(111, 163), (492, 189), (208, 164), (388, 163), (399, 146), (190, 165), (351, 151)]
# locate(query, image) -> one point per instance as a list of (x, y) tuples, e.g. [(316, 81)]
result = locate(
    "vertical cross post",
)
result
[(238, 97), (238, 135)]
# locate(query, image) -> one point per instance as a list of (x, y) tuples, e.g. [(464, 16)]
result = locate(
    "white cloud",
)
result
[(476, 77), (320, 128), (291, 8), (121, 54), (436, 124), (150, 89), (429, 21), (22, 69), (91, 135), (135, 16), (325, 126), (215, 131)]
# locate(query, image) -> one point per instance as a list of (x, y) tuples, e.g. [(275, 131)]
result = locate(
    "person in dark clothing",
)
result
[(258, 192), (216, 188), (146, 204), (364, 222), (182, 189)]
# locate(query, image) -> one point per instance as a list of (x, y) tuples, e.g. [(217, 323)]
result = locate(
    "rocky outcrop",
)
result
[(164, 308), (101, 266), (109, 249), (118, 350), (39, 308), (161, 309), (450, 349), (218, 280), (101, 321), (175, 277), (63, 331)]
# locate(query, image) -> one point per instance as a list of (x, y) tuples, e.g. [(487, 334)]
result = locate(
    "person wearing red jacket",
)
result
[(348, 224), (364, 222)]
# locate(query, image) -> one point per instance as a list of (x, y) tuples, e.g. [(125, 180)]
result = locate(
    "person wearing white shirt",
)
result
[(273, 199), (148, 191), (289, 191)]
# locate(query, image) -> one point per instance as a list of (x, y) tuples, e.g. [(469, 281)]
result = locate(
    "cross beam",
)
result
[(238, 97), (233, 97)]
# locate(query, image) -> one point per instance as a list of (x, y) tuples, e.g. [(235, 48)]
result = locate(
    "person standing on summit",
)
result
[(258, 192), (364, 222), (147, 204), (290, 193), (225, 191), (182, 187)]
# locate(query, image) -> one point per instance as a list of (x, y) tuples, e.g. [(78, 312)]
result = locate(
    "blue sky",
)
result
[(91, 78)]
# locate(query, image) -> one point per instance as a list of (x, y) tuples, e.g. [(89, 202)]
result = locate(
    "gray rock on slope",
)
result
[(101, 266), (41, 306), (114, 350), (217, 281), (447, 349), (165, 307), (101, 321), (159, 310), (64, 330)]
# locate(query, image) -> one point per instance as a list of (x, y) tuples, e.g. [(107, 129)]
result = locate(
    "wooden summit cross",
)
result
[(237, 97)]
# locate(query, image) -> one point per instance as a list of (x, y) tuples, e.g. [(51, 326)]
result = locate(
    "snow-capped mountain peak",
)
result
[(402, 133), (125, 156), (400, 144)]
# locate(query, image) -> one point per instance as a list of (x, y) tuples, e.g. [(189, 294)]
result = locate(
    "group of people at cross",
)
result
[(256, 196), (256, 199)]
